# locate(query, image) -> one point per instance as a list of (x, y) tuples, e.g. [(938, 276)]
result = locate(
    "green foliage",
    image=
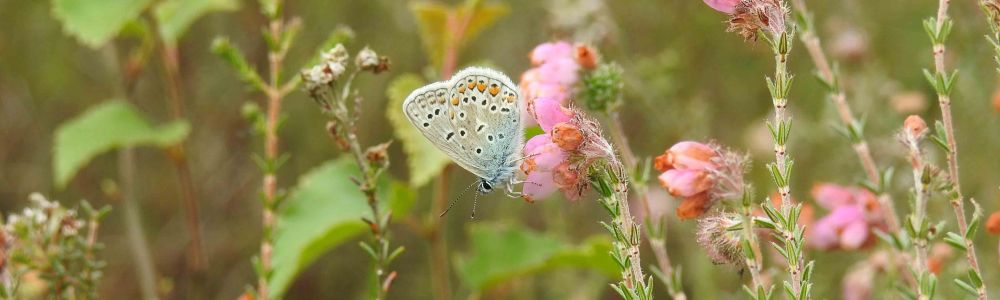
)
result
[(323, 211), (173, 17), (95, 22), (109, 125), (504, 252), (602, 88), (423, 159), (436, 31)]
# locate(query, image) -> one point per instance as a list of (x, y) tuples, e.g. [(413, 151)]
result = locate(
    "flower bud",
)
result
[(662, 163), (722, 245), (366, 58), (586, 56), (567, 136), (725, 6), (685, 183), (993, 223), (915, 127), (549, 112), (378, 155), (694, 206), (691, 155)]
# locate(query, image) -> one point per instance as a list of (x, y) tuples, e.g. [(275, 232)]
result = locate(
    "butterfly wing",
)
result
[(474, 118)]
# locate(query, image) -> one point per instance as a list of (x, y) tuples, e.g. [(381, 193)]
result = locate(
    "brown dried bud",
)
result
[(749, 16), (378, 155), (567, 136), (586, 56), (993, 223), (915, 127), (565, 176), (694, 206), (334, 130)]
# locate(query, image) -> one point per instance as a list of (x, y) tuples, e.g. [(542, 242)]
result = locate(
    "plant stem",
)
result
[(440, 270), (838, 95), (275, 57), (657, 241), (944, 101), (921, 195), (611, 182)]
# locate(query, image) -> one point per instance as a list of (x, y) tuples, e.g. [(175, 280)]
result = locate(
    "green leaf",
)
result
[(323, 211), (437, 34), (502, 252), (94, 22), (423, 159), (109, 125), (173, 17)]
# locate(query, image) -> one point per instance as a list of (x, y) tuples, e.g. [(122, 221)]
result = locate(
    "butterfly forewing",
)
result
[(474, 118)]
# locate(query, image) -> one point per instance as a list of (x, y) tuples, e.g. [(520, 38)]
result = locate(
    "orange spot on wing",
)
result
[(454, 101), (472, 85), (481, 87), (494, 91), (461, 89)]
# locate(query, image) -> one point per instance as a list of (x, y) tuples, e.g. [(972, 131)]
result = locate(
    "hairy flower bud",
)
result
[(915, 127), (723, 246), (565, 176)]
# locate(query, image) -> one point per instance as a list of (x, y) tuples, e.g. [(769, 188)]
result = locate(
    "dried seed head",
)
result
[(368, 60), (378, 155), (565, 175), (749, 16), (722, 244), (338, 54)]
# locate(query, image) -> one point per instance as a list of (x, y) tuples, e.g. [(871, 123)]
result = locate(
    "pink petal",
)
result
[(535, 142), (832, 196), (854, 235), (538, 186), (685, 183), (561, 71), (548, 112), (823, 236), (726, 6), (547, 51), (691, 155)]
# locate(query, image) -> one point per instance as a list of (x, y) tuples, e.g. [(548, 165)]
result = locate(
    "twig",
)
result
[(943, 84)]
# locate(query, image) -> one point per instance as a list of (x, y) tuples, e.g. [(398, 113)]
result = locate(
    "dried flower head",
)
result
[(749, 16), (378, 155), (567, 136), (992, 8), (368, 60), (717, 237), (338, 54)]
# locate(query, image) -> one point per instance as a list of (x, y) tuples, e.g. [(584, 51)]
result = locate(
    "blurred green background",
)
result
[(685, 79)]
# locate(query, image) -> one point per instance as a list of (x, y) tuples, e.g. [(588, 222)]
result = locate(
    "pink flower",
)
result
[(854, 213), (562, 70), (548, 112), (687, 155), (548, 51), (726, 6), (685, 182)]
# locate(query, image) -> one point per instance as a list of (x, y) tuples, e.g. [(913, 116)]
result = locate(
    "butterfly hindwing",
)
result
[(474, 118)]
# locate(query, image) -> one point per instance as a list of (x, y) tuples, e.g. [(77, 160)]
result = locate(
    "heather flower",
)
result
[(554, 73), (993, 223), (746, 17), (700, 175), (726, 6), (854, 214), (560, 158), (915, 127), (586, 56)]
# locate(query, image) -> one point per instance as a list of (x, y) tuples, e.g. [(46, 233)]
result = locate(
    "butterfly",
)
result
[(474, 118)]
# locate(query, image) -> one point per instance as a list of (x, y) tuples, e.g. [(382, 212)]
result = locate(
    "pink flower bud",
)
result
[(691, 155), (548, 112), (915, 126), (832, 196), (538, 185), (548, 51), (685, 182), (542, 157), (726, 6)]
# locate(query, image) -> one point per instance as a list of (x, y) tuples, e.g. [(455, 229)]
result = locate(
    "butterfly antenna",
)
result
[(475, 201), (452, 203)]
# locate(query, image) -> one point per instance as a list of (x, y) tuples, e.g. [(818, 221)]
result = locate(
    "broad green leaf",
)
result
[(423, 159), (438, 22), (109, 125), (94, 22), (323, 211), (173, 17), (501, 252)]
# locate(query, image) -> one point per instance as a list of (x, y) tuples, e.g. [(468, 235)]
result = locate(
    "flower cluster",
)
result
[(700, 174), (54, 243), (747, 17), (555, 71), (854, 214), (561, 157), (334, 62)]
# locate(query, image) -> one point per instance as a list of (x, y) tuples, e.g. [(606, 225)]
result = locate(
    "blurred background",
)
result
[(685, 78)]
